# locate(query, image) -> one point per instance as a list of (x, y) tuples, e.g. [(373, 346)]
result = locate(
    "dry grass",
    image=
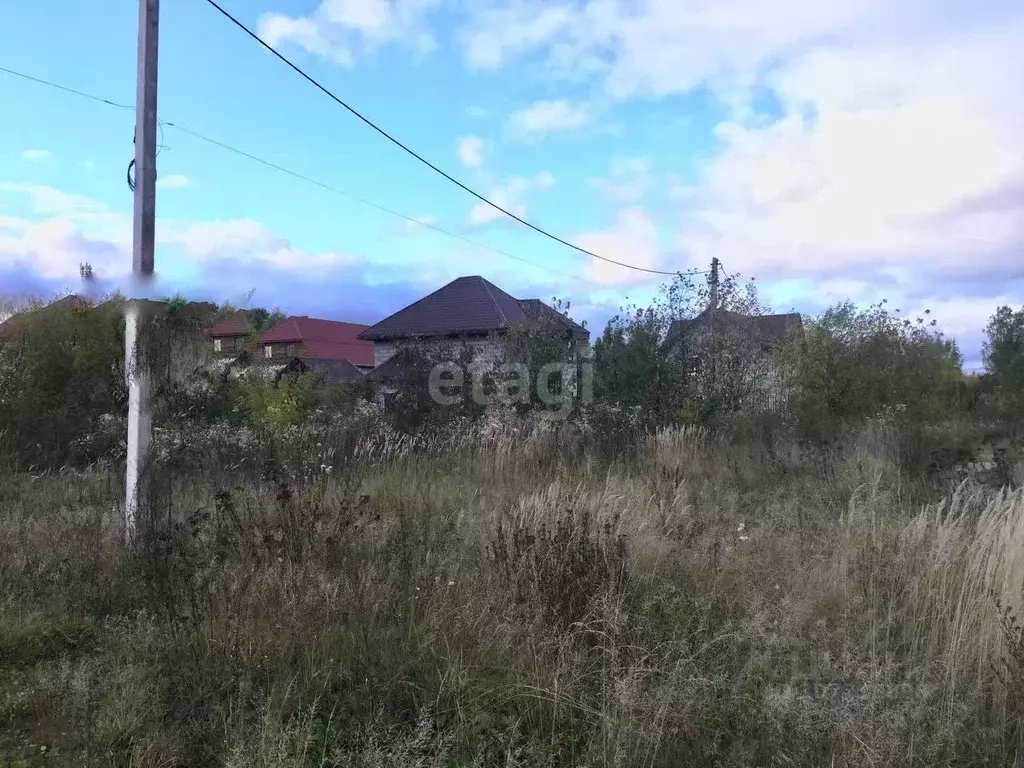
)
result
[(505, 596)]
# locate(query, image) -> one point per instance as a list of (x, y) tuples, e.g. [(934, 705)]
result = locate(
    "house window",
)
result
[(290, 350), (268, 351), (239, 343), (216, 345)]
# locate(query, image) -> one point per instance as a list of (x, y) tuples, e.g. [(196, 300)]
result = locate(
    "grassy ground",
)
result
[(514, 598)]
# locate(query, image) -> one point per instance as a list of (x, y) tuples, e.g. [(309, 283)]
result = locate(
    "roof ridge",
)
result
[(418, 301), (494, 301)]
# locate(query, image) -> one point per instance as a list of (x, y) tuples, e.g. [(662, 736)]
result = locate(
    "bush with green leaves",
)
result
[(637, 366), (62, 367), (853, 364)]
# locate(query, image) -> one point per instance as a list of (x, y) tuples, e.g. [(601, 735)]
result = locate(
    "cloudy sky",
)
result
[(857, 148)]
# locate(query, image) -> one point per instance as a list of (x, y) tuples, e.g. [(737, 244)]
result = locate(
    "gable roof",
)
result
[(323, 339), (237, 324), (395, 367), (768, 329), (465, 306)]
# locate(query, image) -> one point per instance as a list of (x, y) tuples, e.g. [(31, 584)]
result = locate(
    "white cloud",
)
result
[(248, 241), (338, 29), (507, 195), (471, 151), (54, 248), (628, 180), (276, 29), (632, 239), (888, 162), (545, 180), (67, 229), (37, 156), (659, 47), (12, 223), (889, 149), (88, 214), (498, 33), (173, 181), (547, 116)]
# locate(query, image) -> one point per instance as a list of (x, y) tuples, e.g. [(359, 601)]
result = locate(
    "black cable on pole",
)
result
[(420, 157), (66, 89), (364, 201), (313, 181)]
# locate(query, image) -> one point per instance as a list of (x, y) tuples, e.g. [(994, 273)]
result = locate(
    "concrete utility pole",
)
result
[(140, 432), (713, 293)]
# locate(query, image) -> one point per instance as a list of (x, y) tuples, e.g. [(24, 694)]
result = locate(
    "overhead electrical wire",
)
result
[(398, 143), (310, 180), (297, 175), (364, 201), (84, 95)]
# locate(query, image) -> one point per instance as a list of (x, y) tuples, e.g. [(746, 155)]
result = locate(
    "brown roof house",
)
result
[(470, 311), (318, 344), (231, 335), (734, 356), (296, 344), (467, 323)]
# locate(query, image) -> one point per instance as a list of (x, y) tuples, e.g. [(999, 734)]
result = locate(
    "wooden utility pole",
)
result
[(140, 431)]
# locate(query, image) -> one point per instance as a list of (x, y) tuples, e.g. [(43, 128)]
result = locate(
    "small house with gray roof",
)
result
[(734, 355)]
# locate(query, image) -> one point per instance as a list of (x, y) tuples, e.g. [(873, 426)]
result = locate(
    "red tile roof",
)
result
[(325, 339), (237, 324)]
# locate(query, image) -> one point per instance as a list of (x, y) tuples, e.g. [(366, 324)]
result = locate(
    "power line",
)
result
[(364, 201), (398, 143), (298, 175), (316, 182), (66, 89)]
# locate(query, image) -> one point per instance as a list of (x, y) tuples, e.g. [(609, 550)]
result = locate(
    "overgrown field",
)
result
[(510, 593)]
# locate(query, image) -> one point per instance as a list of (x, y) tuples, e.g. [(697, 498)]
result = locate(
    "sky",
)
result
[(858, 149)]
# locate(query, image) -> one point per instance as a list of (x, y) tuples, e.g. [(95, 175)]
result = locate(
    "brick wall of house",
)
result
[(281, 351), (230, 346), (483, 349)]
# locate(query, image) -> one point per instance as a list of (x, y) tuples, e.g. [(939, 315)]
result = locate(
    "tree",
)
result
[(545, 348), (639, 362), (263, 320), (689, 294), (631, 367), (1003, 353), (852, 364), (61, 370)]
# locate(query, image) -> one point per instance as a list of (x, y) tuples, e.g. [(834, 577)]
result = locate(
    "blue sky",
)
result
[(858, 150)]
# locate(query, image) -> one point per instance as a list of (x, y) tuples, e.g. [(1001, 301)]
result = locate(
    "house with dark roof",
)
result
[(319, 344), (470, 311), (733, 354), (766, 330)]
